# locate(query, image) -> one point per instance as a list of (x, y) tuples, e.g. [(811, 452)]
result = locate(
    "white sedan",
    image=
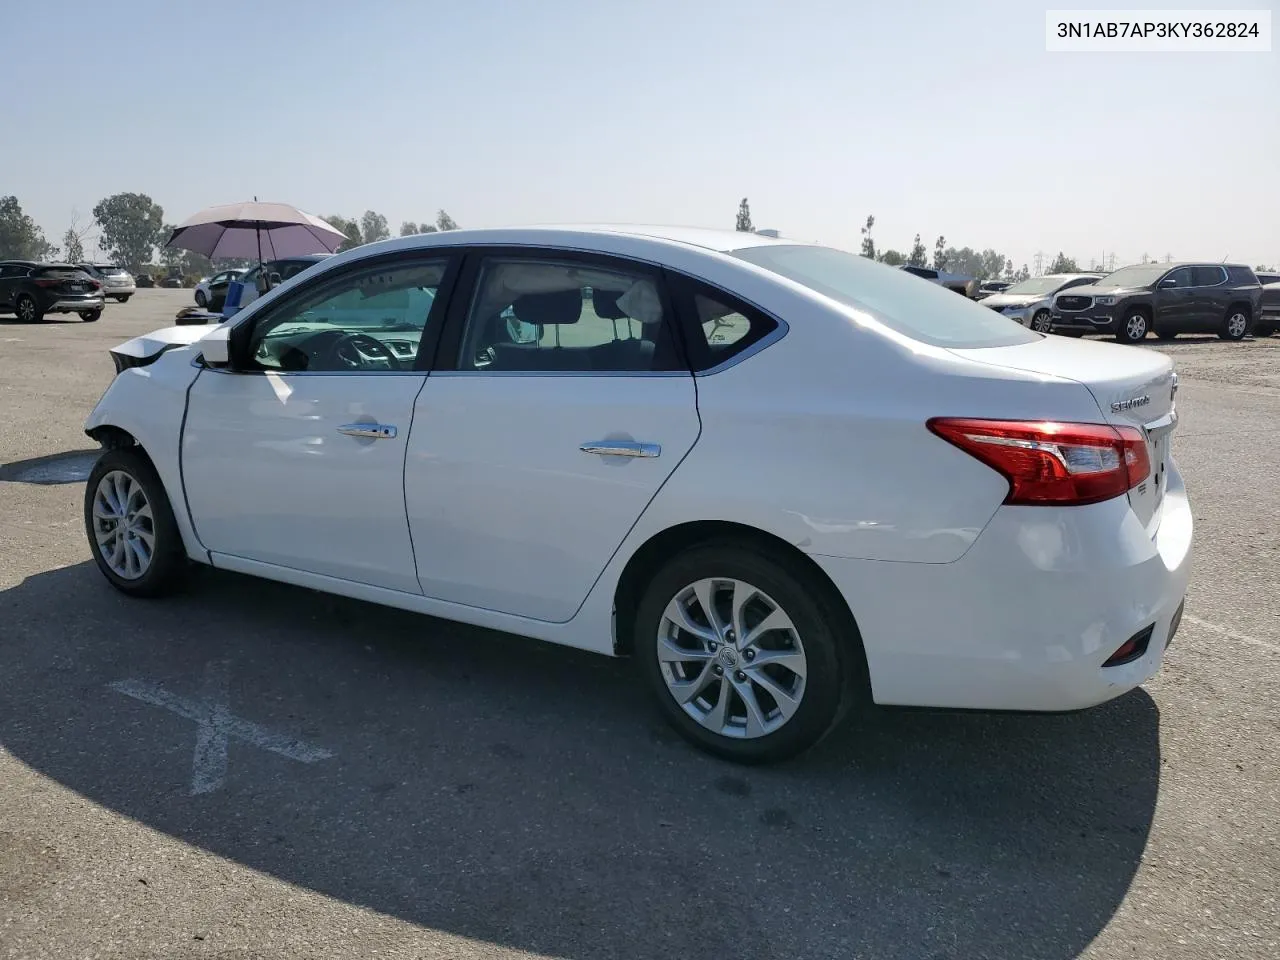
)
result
[(782, 478)]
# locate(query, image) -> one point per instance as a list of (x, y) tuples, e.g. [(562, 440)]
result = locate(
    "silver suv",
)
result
[(117, 282)]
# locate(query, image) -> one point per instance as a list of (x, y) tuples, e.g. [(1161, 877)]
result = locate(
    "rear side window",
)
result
[(1244, 275), (925, 312), (723, 327), (1209, 276)]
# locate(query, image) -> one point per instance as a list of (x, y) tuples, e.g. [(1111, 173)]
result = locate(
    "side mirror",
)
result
[(215, 346), (1167, 283), (275, 280)]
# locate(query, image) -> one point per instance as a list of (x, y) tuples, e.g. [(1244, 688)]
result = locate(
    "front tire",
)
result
[(1235, 324), (1134, 327), (27, 309), (1042, 322), (90, 316), (742, 653), (132, 534), (201, 300)]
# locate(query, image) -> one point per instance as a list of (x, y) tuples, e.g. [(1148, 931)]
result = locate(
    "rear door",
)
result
[(1211, 298), (538, 443)]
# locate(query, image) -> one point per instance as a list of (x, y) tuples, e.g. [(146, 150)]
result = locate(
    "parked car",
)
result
[(959, 283), (1169, 298), (174, 280), (117, 282), (30, 290), (211, 291), (988, 287), (1269, 312), (874, 490), (1028, 302), (272, 273), (144, 279)]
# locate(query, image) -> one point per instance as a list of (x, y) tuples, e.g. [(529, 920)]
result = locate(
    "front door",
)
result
[(531, 461), (296, 456), (1175, 301)]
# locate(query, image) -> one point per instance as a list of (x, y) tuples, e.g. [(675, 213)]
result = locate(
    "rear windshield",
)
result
[(111, 271), (914, 307), (61, 273)]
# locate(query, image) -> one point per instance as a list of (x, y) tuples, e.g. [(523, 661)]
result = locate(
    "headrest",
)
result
[(605, 304), (559, 307)]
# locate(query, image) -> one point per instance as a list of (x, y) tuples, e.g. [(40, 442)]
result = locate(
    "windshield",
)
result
[(62, 273), (913, 307), (1139, 276), (1036, 285)]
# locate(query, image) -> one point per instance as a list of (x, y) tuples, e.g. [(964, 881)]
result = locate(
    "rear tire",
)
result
[(201, 299), (122, 529), (1263, 330), (1134, 327), (1166, 335), (124, 299), (90, 316), (27, 309), (795, 702), (1235, 325)]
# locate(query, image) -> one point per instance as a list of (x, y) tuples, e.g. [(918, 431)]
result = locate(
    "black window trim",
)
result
[(428, 345), (449, 358), (683, 287)]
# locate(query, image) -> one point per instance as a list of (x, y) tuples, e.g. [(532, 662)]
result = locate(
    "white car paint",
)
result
[(818, 440)]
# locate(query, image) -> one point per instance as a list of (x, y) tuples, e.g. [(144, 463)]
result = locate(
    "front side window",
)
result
[(532, 315), (926, 312), (366, 321), (1182, 277)]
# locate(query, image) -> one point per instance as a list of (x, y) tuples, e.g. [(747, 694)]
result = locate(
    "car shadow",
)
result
[(527, 795), (72, 466)]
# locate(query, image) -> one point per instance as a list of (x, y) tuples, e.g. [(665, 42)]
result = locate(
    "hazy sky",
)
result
[(938, 117)]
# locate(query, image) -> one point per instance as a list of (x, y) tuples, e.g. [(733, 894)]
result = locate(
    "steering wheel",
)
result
[(355, 351)]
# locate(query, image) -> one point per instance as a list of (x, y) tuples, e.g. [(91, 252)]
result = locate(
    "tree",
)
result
[(72, 245), (20, 238), (1022, 275), (744, 217), (348, 228), (868, 245), (1063, 264), (408, 228), (992, 265), (940, 253), (1260, 268), (131, 225), (446, 222), (917, 257), (373, 227), (893, 258)]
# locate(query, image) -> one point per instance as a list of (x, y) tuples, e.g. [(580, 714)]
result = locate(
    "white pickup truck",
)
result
[(967, 286)]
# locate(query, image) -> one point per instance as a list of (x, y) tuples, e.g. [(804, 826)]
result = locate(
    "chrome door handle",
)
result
[(375, 431), (622, 448)]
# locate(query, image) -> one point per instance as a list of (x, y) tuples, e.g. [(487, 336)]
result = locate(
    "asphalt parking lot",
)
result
[(255, 770)]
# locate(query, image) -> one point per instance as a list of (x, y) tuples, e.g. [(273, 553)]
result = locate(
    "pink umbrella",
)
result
[(246, 230)]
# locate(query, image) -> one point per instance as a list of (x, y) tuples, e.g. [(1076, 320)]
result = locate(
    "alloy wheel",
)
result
[(1237, 324), (123, 525), (1042, 323), (732, 658), (26, 309), (1136, 327)]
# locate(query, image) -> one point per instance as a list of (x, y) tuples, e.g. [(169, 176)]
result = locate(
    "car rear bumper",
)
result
[(120, 291), (75, 306), (1027, 617)]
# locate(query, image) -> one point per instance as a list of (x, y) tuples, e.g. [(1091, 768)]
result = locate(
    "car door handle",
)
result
[(375, 431), (622, 448)]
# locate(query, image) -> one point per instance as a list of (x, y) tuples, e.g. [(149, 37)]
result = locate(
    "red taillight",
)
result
[(1053, 464), (47, 283)]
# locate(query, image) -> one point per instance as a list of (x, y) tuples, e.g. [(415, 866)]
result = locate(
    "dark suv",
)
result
[(31, 290), (1169, 298), (1269, 313)]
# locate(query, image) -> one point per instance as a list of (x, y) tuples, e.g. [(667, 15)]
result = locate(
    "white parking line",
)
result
[(1224, 632), (216, 725)]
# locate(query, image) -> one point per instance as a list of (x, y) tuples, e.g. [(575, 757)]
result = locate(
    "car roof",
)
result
[(554, 234)]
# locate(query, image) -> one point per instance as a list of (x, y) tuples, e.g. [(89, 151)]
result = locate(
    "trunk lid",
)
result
[(1132, 387)]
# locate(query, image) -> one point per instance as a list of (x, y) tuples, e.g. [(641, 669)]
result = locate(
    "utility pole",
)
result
[(1168, 258), (1039, 263)]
